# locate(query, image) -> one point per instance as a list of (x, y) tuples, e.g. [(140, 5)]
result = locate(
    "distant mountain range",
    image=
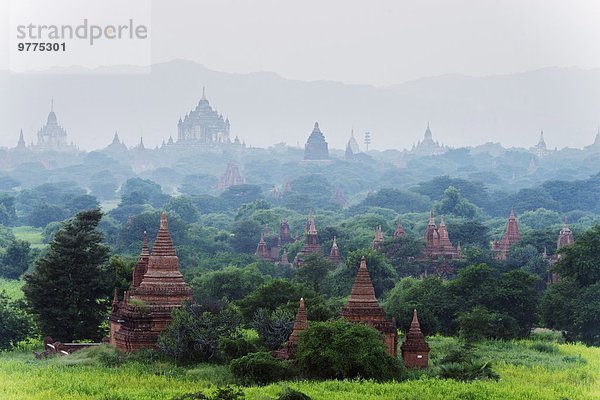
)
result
[(265, 108)]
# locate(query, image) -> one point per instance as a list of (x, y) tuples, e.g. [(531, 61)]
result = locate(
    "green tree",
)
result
[(452, 202), (195, 330), (343, 350), (15, 324), (69, 292), (314, 270), (573, 304), (184, 207), (246, 234), (15, 260)]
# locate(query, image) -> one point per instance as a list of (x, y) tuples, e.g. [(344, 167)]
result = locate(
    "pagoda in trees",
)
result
[(334, 254), (52, 136), (231, 177), (289, 348), (415, 350), (437, 241), (510, 237), (316, 148), (203, 126), (378, 239), (362, 307), (137, 320), (261, 249), (427, 147), (311, 243), (399, 232), (565, 237)]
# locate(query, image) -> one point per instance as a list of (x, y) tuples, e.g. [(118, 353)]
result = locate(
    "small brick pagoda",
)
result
[(378, 239), (565, 237), (231, 177), (334, 254), (158, 288), (415, 350), (311, 244), (510, 237), (399, 232), (316, 148), (437, 241), (289, 348), (362, 307), (261, 249)]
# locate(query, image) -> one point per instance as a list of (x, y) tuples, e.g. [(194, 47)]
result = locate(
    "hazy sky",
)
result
[(372, 42)]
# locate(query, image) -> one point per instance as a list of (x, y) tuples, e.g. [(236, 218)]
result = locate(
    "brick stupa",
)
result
[(334, 254), (378, 239), (311, 244), (362, 307), (510, 237), (415, 350), (289, 348), (137, 321)]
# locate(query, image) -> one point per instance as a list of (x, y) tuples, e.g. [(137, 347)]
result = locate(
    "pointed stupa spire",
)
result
[(362, 297), (52, 104), (301, 322), (334, 254), (203, 92), (21, 143), (415, 350), (145, 251), (163, 245), (431, 218), (116, 139)]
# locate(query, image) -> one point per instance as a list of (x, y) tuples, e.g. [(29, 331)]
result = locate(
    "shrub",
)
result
[(291, 394), (260, 368), (195, 331), (232, 348), (222, 393), (544, 347), (480, 323), (323, 352), (468, 371), (275, 327)]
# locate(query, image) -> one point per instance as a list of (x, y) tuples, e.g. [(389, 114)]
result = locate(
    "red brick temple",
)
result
[(311, 243), (565, 237), (399, 232), (378, 239), (437, 241), (510, 237), (261, 249), (334, 254), (415, 350), (231, 177), (362, 307), (289, 348), (137, 321)]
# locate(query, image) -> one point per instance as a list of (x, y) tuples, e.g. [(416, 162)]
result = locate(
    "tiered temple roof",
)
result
[(311, 244), (334, 254), (261, 249), (399, 232), (363, 307), (316, 148), (145, 311), (203, 126), (427, 147), (565, 237), (378, 239), (437, 241), (231, 177), (52, 136), (289, 348), (510, 237), (415, 350)]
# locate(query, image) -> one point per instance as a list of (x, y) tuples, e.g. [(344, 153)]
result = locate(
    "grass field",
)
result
[(30, 234), (527, 369)]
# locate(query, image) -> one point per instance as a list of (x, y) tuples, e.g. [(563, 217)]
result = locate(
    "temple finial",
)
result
[(52, 104), (203, 92)]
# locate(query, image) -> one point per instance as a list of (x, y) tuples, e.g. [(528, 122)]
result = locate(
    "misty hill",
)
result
[(265, 108)]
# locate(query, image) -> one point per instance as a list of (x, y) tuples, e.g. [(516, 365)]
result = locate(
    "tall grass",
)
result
[(571, 372)]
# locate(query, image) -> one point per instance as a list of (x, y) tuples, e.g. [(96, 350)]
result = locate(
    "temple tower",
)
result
[(316, 148), (311, 243), (146, 310), (415, 350), (261, 249), (142, 265), (510, 237), (334, 254), (289, 348), (399, 232), (231, 177), (378, 239), (362, 307)]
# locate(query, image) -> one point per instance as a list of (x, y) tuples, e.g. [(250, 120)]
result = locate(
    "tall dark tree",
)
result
[(15, 260), (69, 291)]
